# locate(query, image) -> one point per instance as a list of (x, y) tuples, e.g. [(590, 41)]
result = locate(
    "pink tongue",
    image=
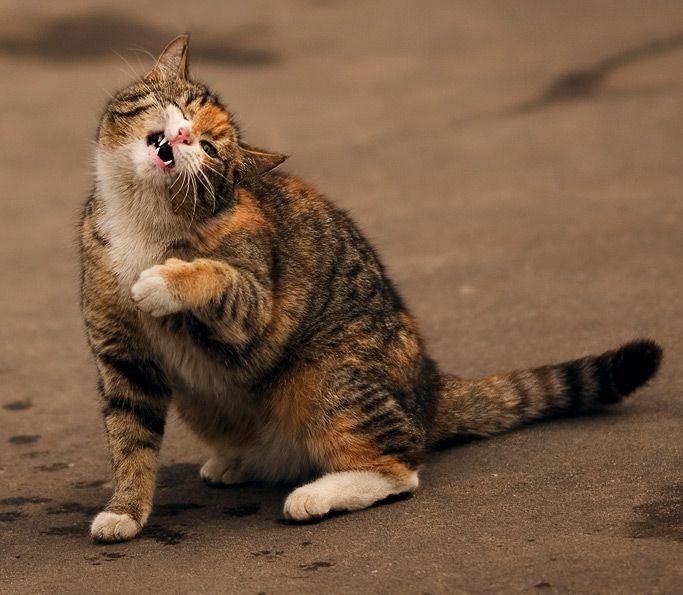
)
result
[(157, 160)]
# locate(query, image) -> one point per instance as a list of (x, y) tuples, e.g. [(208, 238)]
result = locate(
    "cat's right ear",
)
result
[(172, 63)]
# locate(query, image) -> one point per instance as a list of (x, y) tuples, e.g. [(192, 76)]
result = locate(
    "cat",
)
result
[(255, 306)]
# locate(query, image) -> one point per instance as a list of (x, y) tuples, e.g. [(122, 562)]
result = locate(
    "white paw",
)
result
[(306, 503), (110, 527), (150, 293), (220, 471), (212, 470)]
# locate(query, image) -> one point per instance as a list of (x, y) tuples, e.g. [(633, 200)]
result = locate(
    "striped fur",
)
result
[(494, 404), (255, 306)]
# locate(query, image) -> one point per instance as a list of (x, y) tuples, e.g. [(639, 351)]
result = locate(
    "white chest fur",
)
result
[(218, 408)]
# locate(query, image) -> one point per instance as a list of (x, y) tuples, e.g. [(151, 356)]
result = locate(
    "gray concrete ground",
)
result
[(528, 213)]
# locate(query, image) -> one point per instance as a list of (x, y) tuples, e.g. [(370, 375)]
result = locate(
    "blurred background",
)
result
[(519, 165)]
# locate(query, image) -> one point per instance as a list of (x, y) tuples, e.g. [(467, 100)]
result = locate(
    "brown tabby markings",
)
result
[(344, 449), (274, 328)]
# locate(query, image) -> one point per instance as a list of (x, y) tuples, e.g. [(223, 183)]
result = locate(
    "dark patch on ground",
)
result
[(82, 485), (242, 510), (18, 405), (662, 518), (52, 467), (75, 530), (105, 557), (175, 508), (11, 516), (542, 585), (176, 474), (585, 82), (162, 535), (317, 565), (582, 83), (34, 454), (305, 543), (268, 554), (228, 486), (72, 508), (24, 439), (97, 34), (22, 500)]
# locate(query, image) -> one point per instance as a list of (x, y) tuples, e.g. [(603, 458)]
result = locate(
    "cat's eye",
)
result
[(209, 149)]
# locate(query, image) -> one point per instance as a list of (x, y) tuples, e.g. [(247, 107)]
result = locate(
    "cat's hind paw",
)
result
[(151, 293), (109, 527), (218, 471), (307, 503)]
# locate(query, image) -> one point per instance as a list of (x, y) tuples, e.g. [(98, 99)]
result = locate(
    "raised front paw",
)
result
[(151, 293), (109, 527)]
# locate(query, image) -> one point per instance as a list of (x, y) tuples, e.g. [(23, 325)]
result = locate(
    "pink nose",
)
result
[(183, 136)]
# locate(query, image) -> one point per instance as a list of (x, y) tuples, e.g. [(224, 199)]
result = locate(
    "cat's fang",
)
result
[(165, 153)]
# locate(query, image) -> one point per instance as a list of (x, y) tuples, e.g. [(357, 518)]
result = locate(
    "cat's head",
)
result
[(169, 149)]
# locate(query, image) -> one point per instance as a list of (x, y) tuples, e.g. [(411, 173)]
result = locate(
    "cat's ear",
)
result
[(172, 63), (257, 161)]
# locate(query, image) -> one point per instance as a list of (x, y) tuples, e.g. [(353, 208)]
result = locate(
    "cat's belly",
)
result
[(225, 414)]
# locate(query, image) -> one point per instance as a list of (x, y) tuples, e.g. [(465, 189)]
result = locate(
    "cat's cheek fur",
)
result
[(109, 527), (152, 295)]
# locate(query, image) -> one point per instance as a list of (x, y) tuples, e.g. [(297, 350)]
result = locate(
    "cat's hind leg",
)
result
[(367, 444), (346, 491)]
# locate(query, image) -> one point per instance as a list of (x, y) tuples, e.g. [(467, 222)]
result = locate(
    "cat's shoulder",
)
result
[(282, 185), (290, 194)]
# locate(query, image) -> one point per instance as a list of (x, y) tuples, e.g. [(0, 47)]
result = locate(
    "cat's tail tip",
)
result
[(635, 363)]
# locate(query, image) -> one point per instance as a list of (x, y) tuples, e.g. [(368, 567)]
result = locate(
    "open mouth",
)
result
[(163, 149)]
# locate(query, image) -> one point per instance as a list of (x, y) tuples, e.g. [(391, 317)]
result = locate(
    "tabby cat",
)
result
[(255, 306)]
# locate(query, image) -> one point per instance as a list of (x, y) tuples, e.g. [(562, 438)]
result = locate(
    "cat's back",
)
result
[(311, 231), (344, 298)]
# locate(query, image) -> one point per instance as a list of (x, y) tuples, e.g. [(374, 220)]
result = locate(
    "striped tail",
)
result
[(493, 404)]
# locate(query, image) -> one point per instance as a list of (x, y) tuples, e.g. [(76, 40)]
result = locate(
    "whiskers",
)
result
[(187, 182), (208, 186), (204, 180), (184, 179)]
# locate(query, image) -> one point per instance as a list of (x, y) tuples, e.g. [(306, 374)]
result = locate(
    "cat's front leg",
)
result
[(135, 399), (234, 302)]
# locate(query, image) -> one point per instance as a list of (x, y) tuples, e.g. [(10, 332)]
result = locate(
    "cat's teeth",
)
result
[(163, 142), (168, 162)]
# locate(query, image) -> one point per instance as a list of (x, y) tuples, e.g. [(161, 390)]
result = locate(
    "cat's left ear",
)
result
[(257, 161), (172, 63)]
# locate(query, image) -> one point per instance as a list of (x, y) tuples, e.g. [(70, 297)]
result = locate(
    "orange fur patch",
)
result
[(247, 216), (346, 450), (294, 402), (211, 120), (409, 322), (195, 283)]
